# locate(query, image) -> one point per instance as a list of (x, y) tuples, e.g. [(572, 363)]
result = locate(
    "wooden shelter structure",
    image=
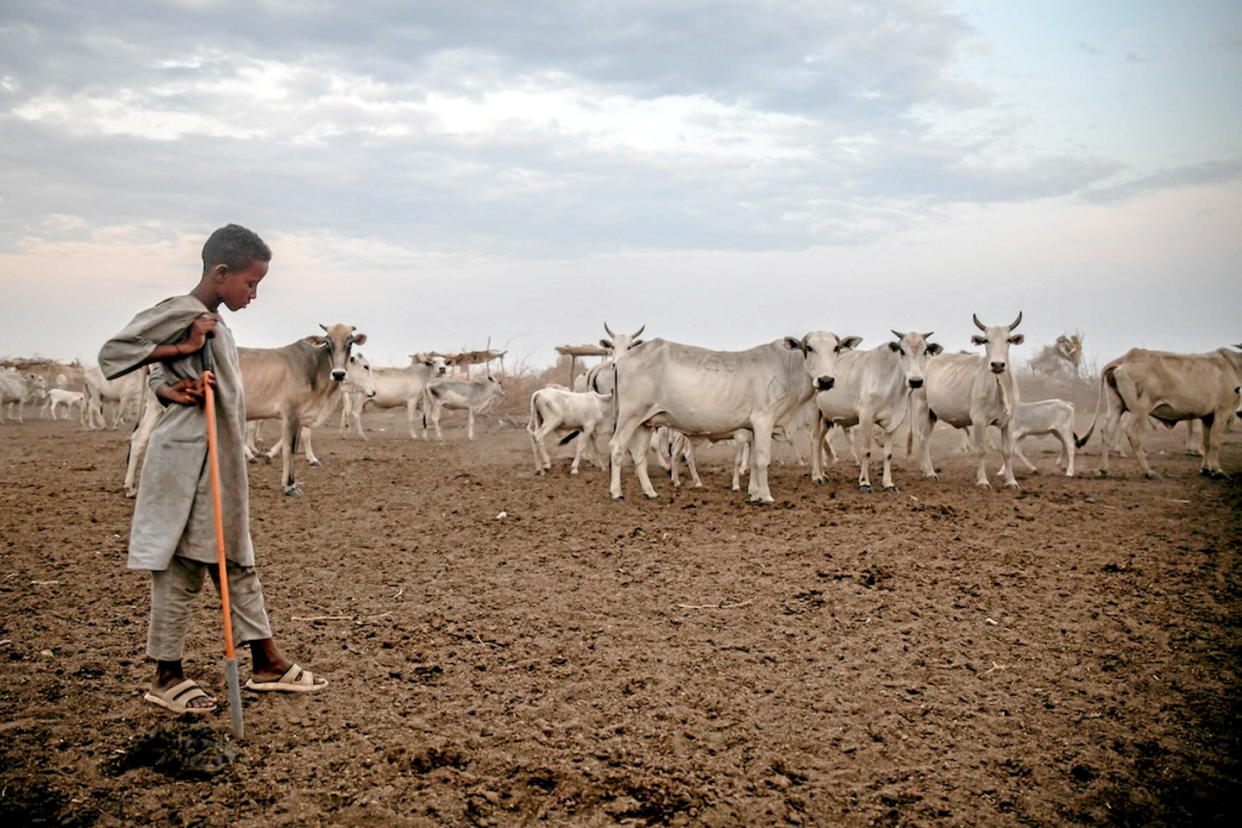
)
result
[(468, 358), (575, 351)]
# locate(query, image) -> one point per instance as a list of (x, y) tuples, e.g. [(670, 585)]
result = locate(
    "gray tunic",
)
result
[(173, 515)]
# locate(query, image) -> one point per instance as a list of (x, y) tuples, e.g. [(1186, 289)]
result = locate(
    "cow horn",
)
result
[(639, 332), (1017, 321), (325, 327), (897, 334), (978, 324), (928, 335), (609, 330)]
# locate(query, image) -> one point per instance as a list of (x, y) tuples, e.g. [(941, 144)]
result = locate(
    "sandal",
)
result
[(296, 680), (178, 697)]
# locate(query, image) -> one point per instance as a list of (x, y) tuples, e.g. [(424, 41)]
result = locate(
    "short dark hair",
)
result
[(234, 247)]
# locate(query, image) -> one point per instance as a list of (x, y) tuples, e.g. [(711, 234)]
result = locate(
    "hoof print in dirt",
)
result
[(182, 748)]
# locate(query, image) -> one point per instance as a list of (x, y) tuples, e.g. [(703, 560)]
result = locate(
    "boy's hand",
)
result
[(199, 331), (185, 392)]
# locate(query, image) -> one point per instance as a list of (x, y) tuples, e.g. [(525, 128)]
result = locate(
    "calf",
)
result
[(471, 395), (555, 409)]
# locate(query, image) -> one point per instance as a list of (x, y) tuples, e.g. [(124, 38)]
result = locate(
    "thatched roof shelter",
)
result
[(575, 351)]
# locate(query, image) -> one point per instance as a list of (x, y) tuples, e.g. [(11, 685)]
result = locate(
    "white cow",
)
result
[(16, 389), (471, 395), (965, 390), (57, 397), (871, 390), (396, 387), (295, 384), (1055, 417), (1170, 387), (358, 383), (705, 393), (557, 409), (125, 392)]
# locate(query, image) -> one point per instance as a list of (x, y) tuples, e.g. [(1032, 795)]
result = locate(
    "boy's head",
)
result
[(234, 261)]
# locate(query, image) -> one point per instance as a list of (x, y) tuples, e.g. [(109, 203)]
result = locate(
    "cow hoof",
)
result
[(983, 484), (315, 463), (865, 488), (932, 476), (618, 499), (820, 479), (294, 491), (651, 496), (890, 489), (1151, 476), (1014, 485)]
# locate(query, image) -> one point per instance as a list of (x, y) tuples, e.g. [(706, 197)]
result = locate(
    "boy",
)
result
[(173, 531)]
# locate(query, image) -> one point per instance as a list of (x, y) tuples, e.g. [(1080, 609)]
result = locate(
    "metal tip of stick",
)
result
[(235, 702)]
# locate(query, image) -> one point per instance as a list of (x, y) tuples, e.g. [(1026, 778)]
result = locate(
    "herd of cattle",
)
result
[(667, 396)]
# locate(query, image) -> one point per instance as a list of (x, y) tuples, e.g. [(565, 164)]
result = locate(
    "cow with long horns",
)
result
[(969, 391)]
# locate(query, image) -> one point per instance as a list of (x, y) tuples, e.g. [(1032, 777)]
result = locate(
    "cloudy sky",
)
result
[(727, 172)]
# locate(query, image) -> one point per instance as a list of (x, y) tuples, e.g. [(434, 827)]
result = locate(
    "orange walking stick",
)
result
[(213, 466)]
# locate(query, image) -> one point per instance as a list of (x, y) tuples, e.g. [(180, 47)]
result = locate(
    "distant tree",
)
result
[(1062, 358)]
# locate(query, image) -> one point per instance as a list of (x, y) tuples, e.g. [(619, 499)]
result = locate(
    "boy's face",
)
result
[(238, 288)]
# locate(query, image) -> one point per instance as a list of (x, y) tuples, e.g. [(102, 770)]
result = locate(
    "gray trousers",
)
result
[(173, 591)]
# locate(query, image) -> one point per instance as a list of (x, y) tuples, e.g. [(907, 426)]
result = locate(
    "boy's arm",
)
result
[(146, 339)]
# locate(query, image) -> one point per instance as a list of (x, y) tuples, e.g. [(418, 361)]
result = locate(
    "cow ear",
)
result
[(636, 343), (607, 343), (793, 344), (979, 340), (851, 342), (1017, 339), (893, 346), (360, 339), (934, 348), (318, 341)]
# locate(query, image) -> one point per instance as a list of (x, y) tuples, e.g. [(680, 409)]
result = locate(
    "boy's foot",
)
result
[(295, 680), (184, 696)]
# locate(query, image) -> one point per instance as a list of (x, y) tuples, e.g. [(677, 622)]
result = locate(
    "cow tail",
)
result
[(571, 435), (535, 421), (1079, 442)]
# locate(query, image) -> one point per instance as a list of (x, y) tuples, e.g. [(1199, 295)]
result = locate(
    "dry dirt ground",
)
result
[(1063, 654)]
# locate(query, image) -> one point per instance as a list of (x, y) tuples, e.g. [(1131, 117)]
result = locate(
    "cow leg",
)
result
[(586, 442), (470, 423), (885, 438), (921, 422), (695, 480), (671, 446), (1195, 442), (617, 448), (1067, 449), (411, 408), (1213, 431), (818, 436), (311, 459), (289, 427), (661, 444), (740, 458), (760, 461), (138, 441), (638, 451), (1017, 453), (866, 425), (978, 443), (436, 410), (1007, 449)]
